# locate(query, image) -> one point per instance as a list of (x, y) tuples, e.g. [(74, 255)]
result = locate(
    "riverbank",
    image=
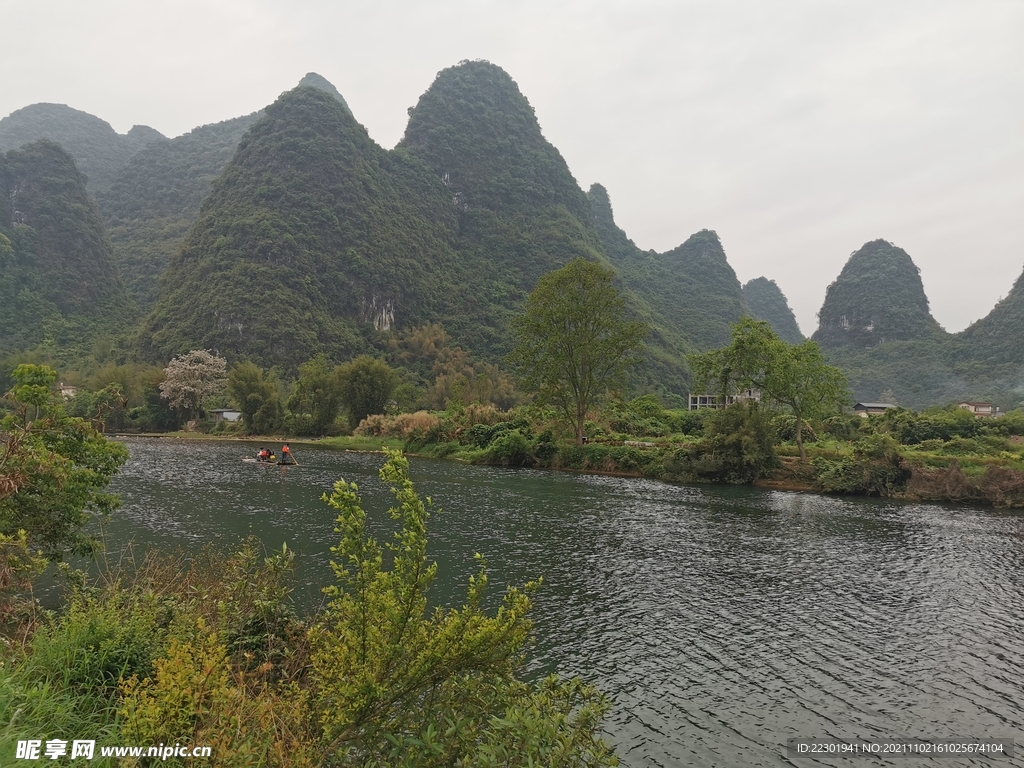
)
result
[(907, 474)]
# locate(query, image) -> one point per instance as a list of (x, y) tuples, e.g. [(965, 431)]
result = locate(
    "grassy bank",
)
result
[(941, 456)]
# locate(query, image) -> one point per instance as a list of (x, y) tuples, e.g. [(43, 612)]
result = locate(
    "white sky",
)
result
[(798, 130)]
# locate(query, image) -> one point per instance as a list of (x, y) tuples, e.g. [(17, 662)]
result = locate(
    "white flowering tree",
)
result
[(190, 379)]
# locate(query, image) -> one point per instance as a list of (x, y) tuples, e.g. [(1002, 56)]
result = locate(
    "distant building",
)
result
[(225, 414), (699, 402), (981, 410), (871, 409), (67, 391)]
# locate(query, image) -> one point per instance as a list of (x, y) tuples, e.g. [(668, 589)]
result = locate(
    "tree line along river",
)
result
[(722, 621)]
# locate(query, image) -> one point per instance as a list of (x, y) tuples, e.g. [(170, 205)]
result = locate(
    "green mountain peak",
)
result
[(313, 80), (767, 302), (999, 336), (58, 280), (307, 243), (878, 297), (99, 151)]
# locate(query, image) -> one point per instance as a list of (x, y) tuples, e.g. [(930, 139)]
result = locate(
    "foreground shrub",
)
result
[(209, 653), (875, 469), (998, 486)]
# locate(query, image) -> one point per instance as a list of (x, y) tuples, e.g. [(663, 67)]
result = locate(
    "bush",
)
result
[(511, 447), (875, 469), (688, 422), (740, 445), (842, 427), (405, 426), (544, 448)]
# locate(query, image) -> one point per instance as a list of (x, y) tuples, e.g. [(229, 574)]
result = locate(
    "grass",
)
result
[(360, 443)]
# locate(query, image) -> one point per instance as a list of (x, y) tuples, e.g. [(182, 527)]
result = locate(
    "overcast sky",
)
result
[(797, 130)]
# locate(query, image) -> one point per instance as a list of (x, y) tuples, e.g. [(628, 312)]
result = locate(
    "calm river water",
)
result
[(722, 621)]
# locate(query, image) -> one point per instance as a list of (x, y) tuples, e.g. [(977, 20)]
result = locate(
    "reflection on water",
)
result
[(722, 621)]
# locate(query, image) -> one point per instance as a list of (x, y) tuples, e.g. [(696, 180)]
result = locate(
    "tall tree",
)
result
[(318, 394), (190, 379), (575, 339), (367, 384), (256, 396), (794, 376)]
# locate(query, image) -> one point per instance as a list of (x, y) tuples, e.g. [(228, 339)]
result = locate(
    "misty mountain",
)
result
[(99, 151), (154, 200), (313, 239), (289, 232), (767, 302), (875, 325), (58, 282)]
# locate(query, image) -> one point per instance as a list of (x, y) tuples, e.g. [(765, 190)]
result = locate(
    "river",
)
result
[(722, 621)]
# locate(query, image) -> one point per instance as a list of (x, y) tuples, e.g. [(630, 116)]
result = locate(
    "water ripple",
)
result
[(721, 621)]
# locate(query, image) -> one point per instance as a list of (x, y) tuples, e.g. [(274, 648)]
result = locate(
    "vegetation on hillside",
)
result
[(893, 345), (307, 238), (692, 293), (877, 298), (59, 287), (98, 149), (766, 302), (150, 205), (790, 376), (313, 240), (996, 341)]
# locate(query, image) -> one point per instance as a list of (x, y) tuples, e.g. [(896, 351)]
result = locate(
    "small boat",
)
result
[(256, 460)]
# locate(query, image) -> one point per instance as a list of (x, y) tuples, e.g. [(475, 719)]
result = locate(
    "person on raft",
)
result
[(264, 455), (286, 455)]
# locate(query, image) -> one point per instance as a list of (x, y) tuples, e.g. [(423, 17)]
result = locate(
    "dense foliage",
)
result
[(59, 287), (575, 341), (767, 302), (366, 385), (153, 201), (791, 376), (53, 468), (878, 297), (256, 396), (208, 650), (99, 151), (312, 240)]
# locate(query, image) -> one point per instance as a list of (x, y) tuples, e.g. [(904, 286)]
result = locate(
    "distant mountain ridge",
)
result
[(98, 149), (289, 231), (876, 326)]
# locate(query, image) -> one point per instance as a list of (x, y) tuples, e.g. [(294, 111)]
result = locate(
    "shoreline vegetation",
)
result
[(206, 648), (851, 456)]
